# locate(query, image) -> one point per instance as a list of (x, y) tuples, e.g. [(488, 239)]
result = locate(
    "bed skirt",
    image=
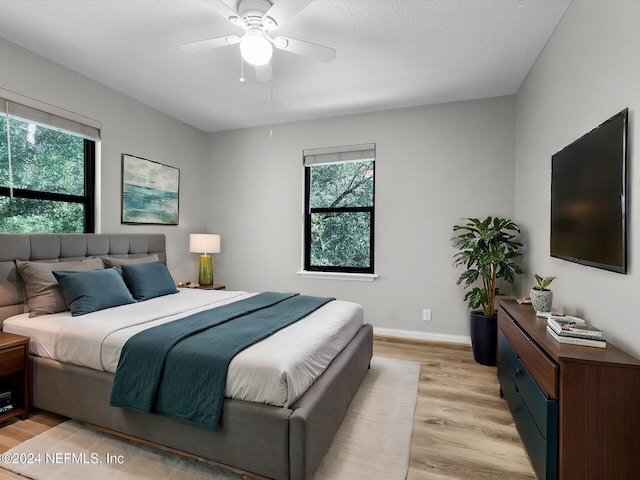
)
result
[(274, 442)]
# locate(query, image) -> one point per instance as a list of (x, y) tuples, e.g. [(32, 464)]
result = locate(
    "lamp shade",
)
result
[(204, 243)]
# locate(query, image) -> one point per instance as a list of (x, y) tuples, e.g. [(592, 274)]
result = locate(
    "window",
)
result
[(339, 209), (47, 170)]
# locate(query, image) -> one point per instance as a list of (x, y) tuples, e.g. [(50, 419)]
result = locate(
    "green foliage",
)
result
[(486, 249), (347, 184), (25, 215), (341, 238), (542, 282), (42, 160)]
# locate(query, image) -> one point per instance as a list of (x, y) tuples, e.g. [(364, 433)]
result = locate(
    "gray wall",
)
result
[(128, 127), (434, 166), (587, 72)]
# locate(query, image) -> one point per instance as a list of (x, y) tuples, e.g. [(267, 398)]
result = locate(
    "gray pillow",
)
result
[(42, 289), (118, 262)]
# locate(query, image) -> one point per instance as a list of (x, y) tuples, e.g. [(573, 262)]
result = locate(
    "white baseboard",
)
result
[(412, 334)]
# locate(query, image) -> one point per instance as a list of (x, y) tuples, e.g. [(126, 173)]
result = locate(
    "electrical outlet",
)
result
[(426, 314)]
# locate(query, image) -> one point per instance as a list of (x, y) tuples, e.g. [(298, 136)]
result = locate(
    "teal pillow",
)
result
[(92, 290), (149, 280)]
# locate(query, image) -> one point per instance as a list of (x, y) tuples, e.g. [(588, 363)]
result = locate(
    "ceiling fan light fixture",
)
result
[(256, 49)]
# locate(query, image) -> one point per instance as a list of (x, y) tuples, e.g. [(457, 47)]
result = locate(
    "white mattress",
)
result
[(276, 370)]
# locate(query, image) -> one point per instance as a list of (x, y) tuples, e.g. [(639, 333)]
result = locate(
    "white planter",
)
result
[(541, 300)]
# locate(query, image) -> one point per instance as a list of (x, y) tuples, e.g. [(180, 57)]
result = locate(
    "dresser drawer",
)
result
[(508, 361), (535, 415), (543, 410), (541, 367), (11, 360), (542, 452)]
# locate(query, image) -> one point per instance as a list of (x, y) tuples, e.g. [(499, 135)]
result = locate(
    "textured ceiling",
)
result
[(390, 54)]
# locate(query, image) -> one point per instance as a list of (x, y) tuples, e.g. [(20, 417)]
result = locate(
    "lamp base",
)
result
[(205, 276)]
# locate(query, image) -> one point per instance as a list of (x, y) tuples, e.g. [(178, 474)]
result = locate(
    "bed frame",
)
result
[(273, 442)]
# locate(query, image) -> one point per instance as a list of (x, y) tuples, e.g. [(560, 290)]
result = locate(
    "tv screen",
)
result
[(588, 200)]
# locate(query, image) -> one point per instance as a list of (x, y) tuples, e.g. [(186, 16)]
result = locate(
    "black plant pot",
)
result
[(484, 338)]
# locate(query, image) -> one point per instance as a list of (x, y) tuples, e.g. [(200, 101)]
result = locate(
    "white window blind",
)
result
[(25, 108), (351, 153)]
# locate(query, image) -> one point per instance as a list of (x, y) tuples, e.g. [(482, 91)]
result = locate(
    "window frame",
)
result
[(30, 110), (87, 200), (309, 211)]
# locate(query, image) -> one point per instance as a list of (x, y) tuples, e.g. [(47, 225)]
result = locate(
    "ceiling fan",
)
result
[(258, 19)]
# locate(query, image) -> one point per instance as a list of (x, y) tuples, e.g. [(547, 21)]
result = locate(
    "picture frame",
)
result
[(150, 192)]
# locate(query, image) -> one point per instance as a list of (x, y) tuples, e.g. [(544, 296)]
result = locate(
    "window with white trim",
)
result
[(339, 209)]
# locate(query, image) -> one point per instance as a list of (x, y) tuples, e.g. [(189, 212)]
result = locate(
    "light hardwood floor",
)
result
[(462, 429)]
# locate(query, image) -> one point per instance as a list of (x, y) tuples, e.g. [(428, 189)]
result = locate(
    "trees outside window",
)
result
[(339, 220), (46, 179)]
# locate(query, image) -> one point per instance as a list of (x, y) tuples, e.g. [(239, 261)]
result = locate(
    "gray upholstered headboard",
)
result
[(61, 247)]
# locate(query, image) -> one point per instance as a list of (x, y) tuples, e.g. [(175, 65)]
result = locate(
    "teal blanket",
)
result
[(180, 369)]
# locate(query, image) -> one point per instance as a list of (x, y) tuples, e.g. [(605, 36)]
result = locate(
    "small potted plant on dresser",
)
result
[(486, 249), (541, 296)]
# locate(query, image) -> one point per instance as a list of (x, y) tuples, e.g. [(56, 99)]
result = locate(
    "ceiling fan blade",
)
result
[(210, 43), (282, 11), (263, 72), (306, 49), (223, 9)]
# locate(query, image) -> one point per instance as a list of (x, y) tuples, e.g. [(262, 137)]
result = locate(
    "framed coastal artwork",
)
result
[(150, 192)]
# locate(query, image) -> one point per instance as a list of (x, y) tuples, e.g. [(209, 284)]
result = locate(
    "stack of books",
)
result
[(575, 331), (5, 402)]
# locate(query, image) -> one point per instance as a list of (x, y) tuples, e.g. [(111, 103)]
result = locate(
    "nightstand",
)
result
[(14, 374), (215, 286)]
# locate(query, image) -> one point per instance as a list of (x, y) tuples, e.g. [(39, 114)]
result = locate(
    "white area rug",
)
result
[(373, 442)]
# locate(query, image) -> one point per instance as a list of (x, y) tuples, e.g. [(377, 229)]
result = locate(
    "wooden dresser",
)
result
[(577, 408)]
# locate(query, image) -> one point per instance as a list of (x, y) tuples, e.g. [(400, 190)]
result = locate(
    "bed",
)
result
[(280, 441)]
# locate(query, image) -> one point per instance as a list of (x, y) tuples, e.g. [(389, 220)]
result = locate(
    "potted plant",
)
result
[(541, 296), (486, 249)]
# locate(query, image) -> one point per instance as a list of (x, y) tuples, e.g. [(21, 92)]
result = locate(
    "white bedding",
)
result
[(276, 370)]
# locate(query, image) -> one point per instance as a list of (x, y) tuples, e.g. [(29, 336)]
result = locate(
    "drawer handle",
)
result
[(517, 371)]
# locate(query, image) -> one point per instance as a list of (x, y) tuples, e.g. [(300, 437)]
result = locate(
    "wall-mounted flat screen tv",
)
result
[(588, 198)]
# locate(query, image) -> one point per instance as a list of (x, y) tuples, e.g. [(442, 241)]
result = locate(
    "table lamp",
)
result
[(205, 243)]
